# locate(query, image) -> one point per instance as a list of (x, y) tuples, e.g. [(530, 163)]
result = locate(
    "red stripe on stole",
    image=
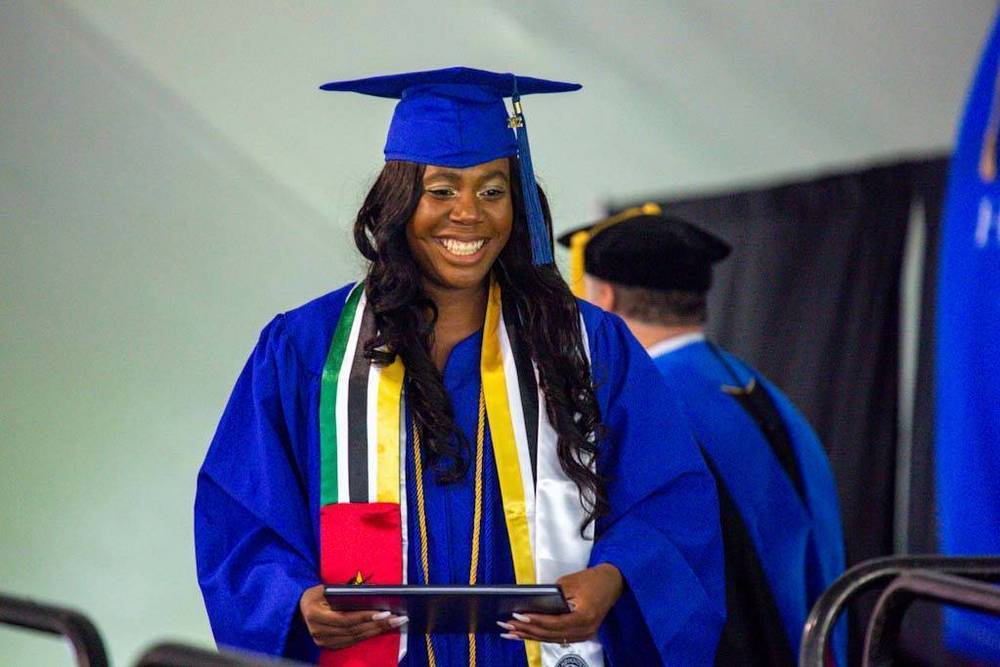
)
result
[(362, 540)]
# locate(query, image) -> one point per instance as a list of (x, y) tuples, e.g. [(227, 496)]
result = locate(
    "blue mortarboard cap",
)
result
[(456, 117)]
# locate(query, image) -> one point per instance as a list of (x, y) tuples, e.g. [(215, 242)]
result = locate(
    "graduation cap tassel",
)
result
[(541, 244)]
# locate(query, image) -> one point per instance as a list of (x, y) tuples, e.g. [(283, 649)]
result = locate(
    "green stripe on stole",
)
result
[(328, 398)]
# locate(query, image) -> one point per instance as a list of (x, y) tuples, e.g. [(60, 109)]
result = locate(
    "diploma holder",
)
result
[(450, 609)]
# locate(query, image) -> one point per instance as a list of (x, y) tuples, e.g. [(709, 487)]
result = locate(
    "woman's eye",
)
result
[(493, 193), (441, 193)]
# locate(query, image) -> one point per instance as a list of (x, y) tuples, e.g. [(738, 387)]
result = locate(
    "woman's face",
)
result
[(462, 223)]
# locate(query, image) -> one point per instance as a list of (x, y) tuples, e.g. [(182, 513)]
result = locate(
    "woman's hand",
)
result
[(591, 593), (339, 629)]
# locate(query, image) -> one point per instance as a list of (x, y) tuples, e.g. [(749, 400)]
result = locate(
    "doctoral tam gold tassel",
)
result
[(577, 246)]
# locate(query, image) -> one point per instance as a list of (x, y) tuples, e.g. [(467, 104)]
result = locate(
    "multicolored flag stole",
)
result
[(363, 520)]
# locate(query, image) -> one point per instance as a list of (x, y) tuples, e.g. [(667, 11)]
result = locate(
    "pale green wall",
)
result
[(170, 179)]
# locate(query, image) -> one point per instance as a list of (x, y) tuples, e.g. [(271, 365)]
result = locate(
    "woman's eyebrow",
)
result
[(456, 177), (496, 173), (445, 174)]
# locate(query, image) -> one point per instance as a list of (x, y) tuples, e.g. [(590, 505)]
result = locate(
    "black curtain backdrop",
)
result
[(929, 179), (810, 296), (921, 641)]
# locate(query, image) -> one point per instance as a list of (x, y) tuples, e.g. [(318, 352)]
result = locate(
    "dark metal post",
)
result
[(887, 618), (870, 575), (69, 623)]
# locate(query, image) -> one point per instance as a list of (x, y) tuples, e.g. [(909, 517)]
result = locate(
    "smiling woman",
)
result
[(457, 417), (461, 224)]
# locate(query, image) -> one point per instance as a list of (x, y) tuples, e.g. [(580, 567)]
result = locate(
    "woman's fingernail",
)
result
[(505, 626), (572, 605), (382, 615), (515, 638), (521, 617), (398, 621)]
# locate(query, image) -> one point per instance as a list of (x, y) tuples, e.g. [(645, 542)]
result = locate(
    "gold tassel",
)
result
[(577, 246)]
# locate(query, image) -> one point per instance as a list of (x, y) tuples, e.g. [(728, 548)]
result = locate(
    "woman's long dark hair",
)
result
[(549, 322)]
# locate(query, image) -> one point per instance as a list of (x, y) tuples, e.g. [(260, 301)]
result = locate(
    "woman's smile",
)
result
[(468, 250)]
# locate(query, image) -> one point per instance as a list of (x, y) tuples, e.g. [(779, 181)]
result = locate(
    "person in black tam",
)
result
[(781, 522)]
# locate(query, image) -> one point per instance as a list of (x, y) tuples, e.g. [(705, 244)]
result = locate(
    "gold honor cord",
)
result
[(422, 523), (477, 519)]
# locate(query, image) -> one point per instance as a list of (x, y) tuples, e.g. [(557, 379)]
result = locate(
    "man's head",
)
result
[(645, 266), (673, 308)]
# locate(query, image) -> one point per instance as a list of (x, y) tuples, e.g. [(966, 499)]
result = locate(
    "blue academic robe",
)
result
[(966, 354), (257, 504), (793, 543)]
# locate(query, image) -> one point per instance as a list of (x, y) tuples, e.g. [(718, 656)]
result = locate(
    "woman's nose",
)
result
[(466, 209)]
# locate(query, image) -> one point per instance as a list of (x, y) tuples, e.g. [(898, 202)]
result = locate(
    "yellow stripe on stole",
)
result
[(505, 453), (390, 391)]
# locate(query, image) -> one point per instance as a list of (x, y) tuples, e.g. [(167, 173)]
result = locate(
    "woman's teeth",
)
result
[(462, 248)]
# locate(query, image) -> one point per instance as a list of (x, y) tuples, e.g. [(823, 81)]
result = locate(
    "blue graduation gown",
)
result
[(257, 504), (966, 355), (797, 544)]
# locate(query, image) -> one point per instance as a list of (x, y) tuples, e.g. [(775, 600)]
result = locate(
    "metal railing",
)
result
[(887, 618), (171, 654), (872, 574), (69, 623)]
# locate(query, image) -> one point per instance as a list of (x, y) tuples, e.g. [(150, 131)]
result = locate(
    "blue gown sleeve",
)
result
[(254, 539), (663, 532)]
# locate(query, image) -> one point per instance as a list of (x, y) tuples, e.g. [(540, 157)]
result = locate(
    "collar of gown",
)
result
[(668, 345)]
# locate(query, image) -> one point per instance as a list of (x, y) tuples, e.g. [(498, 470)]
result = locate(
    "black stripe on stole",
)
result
[(526, 384), (357, 413)]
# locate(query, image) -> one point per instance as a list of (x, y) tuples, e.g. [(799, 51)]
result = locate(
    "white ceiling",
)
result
[(677, 95)]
